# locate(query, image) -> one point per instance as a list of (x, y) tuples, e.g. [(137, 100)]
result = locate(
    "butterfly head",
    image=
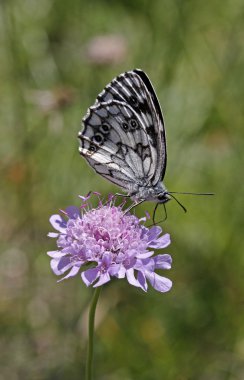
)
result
[(163, 197)]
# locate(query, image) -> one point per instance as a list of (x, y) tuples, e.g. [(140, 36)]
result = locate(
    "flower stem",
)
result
[(91, 333)]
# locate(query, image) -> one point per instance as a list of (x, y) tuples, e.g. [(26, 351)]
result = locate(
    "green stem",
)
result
[(91, 333)]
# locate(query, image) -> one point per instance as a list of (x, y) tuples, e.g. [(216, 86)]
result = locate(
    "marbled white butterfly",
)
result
[(124, 138)]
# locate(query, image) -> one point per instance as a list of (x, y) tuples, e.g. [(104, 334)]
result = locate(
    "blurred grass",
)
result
[(193, 53)]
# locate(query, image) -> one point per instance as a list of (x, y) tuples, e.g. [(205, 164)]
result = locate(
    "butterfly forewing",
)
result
[(135, 88)]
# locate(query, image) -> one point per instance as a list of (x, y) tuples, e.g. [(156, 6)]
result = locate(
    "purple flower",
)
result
[(104, 242)]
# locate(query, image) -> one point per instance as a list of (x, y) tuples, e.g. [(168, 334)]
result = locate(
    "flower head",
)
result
[(106, 242)]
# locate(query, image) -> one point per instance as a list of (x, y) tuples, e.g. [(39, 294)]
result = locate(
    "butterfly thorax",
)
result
[(157, 193)]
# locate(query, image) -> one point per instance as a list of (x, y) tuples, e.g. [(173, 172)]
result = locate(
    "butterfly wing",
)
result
[(134, 88), (116, 146), (123, 137)]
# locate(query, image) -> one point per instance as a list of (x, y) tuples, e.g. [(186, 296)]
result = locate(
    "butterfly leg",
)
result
[(165, 212), (113, 196), (122, 195), (133, 205), (154, 214)]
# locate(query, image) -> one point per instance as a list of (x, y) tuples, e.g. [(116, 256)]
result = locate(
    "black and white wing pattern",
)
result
[(124, 138)]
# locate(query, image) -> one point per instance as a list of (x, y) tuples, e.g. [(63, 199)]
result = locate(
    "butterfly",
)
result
[(124, 139)]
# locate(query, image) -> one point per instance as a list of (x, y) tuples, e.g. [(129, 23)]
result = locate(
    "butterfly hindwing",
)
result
[(114, 136)]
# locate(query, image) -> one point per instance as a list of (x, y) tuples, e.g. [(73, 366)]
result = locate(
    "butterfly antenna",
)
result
[(180, 204), (187, 193), (177, 192)]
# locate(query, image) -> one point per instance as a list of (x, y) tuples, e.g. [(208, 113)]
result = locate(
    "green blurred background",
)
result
[(56, 56)]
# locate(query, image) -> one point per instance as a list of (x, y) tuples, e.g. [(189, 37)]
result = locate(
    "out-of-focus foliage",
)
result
[(55, 58)]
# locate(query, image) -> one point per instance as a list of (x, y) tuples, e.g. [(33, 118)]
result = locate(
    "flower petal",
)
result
[(57, 269), (121, 272), (106, 259), (56, 254), (73, 272), (154, 232), (114, 269), (162, 284), (161, 242), (89, 275), (131, 277), (64, 262), (72, 212), (52, 234), (58, 223), (145, 254), (162, 261), (145, 264), (142, 281), (105, 277)]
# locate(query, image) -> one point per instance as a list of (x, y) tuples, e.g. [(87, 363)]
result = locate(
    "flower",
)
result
[(106, 242)]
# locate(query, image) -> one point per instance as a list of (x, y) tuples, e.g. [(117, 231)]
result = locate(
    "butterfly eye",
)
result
[(161, 197), (98, 138), (105, 128), (133, 124), (125, 127)]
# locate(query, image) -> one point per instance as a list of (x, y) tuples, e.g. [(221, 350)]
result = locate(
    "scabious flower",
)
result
[(105, 242)]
